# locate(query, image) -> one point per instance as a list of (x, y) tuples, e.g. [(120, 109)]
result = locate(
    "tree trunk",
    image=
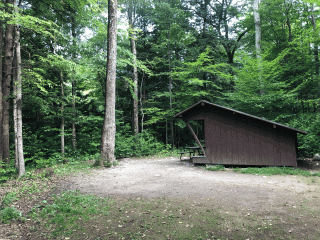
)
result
[(135, 71), (170, 90), (316, 44), (15, 108), (109, 123), (74, 134), (62, 116), (141, 102), (18, 103), (257, 24), (74, 87), (1, 109), (6, 88), (62, 123)]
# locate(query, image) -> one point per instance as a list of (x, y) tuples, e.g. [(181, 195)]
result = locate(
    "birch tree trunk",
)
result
[(135, 71), (18, 103), (6, 87), (257, 24), (109, 124)]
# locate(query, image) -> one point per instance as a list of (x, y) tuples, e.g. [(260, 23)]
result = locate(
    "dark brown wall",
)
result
[(235, 139)]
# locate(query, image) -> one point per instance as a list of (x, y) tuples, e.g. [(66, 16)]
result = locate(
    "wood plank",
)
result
[(196, 138)]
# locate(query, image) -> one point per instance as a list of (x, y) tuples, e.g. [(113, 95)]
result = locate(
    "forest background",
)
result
[(261, 58)]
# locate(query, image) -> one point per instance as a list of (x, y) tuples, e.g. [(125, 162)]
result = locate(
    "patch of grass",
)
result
[(268, 171), (8, 199), (7, 214), (215, 168), (236, 169), (69, 212), (10, 213), (73, 167)]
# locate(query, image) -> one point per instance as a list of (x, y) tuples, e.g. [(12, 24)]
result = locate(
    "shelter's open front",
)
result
[(236, 138)]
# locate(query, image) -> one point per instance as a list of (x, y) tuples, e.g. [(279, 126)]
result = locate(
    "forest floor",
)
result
[(165, 198)]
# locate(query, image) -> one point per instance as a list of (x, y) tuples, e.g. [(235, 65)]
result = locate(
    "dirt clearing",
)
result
[(287, 197), (165, 198)]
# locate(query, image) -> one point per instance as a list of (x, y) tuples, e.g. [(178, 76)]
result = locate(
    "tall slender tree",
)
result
[(131, 14), (1, 108), (109, 123), (62, 133), (18, 98), (316, 43), (257, 25), (6, 84), (74, 84)]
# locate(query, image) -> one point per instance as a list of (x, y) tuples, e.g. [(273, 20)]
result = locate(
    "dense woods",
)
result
[(259, 57)]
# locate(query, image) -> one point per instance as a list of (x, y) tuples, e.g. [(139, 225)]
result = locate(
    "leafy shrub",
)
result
[(8, 199), (8, 214), (7, 172), (139, 145), (309, 144)]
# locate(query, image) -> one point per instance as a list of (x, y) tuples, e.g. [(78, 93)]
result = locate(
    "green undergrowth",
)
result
[(9, 214), (32, 186), (69, 212), (73, 167), (73, 215), (268, 171)]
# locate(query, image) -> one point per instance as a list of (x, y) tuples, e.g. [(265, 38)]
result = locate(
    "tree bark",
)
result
[(109, 124), (18, 103), (6, 87), (74, 87), (62, 123), (257, 24), (15, 108), (74, 133), (170, 89), (135, 71), (316, 44), (1, 109), (141, 102), (62, 116)]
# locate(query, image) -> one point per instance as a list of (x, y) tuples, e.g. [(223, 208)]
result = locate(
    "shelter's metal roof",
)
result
[(179, 115)]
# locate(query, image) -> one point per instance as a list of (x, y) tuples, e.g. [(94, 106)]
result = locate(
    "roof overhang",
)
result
[(203, 103)]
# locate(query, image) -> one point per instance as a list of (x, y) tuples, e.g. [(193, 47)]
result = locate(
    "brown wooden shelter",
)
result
[(236, 138)]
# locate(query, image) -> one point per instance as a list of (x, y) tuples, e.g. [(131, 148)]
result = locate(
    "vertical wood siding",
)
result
[(234, 139)]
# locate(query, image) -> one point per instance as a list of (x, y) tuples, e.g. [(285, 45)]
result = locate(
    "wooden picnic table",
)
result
[(195, 149), (192, 151)]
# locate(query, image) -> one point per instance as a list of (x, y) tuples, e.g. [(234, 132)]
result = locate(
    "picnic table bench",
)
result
[(192, 151), (181, 153)]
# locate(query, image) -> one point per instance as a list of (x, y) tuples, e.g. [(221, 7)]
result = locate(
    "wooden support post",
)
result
[(195, 136)]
